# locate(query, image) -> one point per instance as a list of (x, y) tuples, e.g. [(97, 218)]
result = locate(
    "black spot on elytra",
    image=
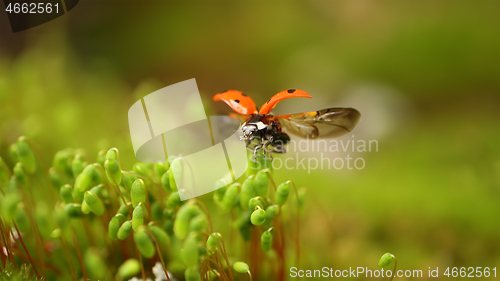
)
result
[(237, 101), (291, 91), (268, 100)]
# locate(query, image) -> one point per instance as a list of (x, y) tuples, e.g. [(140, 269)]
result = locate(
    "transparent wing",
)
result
[(326, 123)]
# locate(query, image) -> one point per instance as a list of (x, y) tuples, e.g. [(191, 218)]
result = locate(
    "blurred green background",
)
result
[(424, 74)]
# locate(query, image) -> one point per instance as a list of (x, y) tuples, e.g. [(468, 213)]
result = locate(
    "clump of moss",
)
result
[(91, 218)]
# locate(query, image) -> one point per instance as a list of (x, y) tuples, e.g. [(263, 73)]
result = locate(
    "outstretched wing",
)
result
[(286, 94), (326, 123)]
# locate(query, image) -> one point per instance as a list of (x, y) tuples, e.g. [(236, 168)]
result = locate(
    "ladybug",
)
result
[(264, 131)]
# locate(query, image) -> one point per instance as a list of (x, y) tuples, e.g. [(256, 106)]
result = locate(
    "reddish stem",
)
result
[(26, 250)]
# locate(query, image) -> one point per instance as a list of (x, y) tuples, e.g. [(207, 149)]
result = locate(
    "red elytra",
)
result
[(286, 94), (238, 101)]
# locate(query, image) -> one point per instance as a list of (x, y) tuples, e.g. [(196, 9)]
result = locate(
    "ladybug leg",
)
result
[(279, 148), (256, 148), (249, 141), (269, 155), (268, 151)]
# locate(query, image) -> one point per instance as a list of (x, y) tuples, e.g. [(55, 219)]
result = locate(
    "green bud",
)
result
[(95, 265), (138, 216), (25, 155), (99, 189), (386, 260), (9, 205), (161, 168), (56, 233), (101, 157), (173, 200), (254, 202), (262, 162), (77, 165), (230, 197), (171, 179), (213, 275), (261, 182), (99, 174), (212, 242), (282, 193), (219, 192), (160, 235), (156, 212), (129, 268), (84, 179), (138, 192), (61, 217), (202, 251), (112, 154), (258, 217), (246, 232), (241, 267), (62, 161), (247, 192), (55, 179), (4, 173), (20, 175), (123, 210), (85, 208), (143, 169), (22, 220), (144, 242), (266, 240), (13, 153), (184, 215), (165, 181), (124, 230), (11, 186), (189, 252), (66, 193), (73, 210), (168, 213), (198, 223), (168, 226), (113, 171), (192, 274), (95, 203), (114, 225), (271, 212), (125, 194), (302, 198), (43, 219), (128, 180)]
